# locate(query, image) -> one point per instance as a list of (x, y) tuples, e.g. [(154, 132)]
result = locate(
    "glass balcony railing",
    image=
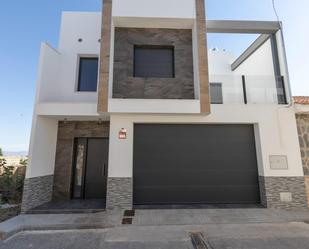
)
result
[(247, 89)]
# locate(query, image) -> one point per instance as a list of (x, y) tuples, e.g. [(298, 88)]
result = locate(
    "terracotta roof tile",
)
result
[(302, 100)]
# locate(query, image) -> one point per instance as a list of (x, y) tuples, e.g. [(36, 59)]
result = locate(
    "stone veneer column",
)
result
[(119, 193), (272, 187), (105, 56), (202, 56), (37, 191)]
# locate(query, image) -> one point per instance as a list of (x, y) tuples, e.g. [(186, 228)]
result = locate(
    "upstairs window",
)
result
[(88, 74), (216, 95), (154, 61)]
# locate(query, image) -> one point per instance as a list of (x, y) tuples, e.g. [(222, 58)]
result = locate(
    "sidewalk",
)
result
[(31, 222), (218, 236), (175, 217)]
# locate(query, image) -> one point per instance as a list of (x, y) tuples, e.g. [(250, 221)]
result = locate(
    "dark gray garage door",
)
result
[(194, 164)]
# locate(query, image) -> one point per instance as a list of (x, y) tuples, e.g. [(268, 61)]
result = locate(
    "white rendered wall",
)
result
[(259, 63), (220, 72), (156, 9), (220, 62), (60, 68), (260, 76), (42, 149), (67, 109), (171, 106), (277, 129), (49, 68)]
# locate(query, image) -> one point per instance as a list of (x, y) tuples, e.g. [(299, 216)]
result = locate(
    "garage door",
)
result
[(194, 164)]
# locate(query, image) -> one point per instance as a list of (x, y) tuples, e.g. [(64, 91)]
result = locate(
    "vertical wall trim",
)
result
[(244, 88), (277, 70), (202, 56), (105, 56), (285, 68)]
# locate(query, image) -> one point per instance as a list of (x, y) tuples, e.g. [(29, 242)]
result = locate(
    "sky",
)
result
[(25, 24)]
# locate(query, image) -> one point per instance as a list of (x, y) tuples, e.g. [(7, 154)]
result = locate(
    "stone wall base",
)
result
[(119, 193), (37, 191), (283, 192), (9, 212)]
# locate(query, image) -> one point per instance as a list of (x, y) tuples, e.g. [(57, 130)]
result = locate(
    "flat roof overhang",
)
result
[(242, 27)]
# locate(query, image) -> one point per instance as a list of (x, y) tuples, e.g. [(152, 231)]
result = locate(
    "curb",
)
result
[(7, 234)]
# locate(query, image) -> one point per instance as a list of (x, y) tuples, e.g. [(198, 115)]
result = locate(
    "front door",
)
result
[(90, 168)]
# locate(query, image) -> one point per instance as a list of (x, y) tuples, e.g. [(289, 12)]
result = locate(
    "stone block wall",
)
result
[(303, 137), (37, 191), (119, 193), (274, 188), (67, 132), (9, 212), (127, 86)]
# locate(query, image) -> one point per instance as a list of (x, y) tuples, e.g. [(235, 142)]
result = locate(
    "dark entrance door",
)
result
[(194, 164), (90, 168)]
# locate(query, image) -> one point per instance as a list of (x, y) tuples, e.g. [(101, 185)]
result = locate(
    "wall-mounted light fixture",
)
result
[(122, 134), (100, 121)]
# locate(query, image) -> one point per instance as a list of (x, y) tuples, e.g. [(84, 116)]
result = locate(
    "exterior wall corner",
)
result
[(287, 193), (37, 191)]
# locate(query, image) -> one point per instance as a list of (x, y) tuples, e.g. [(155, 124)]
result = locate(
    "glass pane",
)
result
[(79, 171), (231, 88), (261, 89), (216, 93), (154, 61), (88, 74)]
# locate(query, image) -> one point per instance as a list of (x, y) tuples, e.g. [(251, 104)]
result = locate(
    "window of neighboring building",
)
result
[(216, 95), (88, 74), (154, 61)]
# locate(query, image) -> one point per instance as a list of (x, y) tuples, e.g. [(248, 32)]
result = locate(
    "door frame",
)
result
[(73, 170)]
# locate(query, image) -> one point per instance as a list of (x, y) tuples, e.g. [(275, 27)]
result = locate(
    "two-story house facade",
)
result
[(133, 109)]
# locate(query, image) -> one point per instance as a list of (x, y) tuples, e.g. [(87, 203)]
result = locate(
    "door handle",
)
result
[(104, 170)]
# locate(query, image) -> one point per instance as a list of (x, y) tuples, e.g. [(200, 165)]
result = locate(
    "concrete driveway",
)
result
[(160, 229), (218, 236)]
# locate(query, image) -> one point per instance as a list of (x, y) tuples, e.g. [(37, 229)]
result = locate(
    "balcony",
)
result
[(247, 89), (247, 63)]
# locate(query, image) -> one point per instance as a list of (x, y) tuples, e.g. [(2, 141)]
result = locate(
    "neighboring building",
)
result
[(302, 117), (14, 160), (168, 123)]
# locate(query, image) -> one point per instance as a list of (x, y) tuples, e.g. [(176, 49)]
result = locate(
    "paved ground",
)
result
[(221, 236), (164, 229)]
